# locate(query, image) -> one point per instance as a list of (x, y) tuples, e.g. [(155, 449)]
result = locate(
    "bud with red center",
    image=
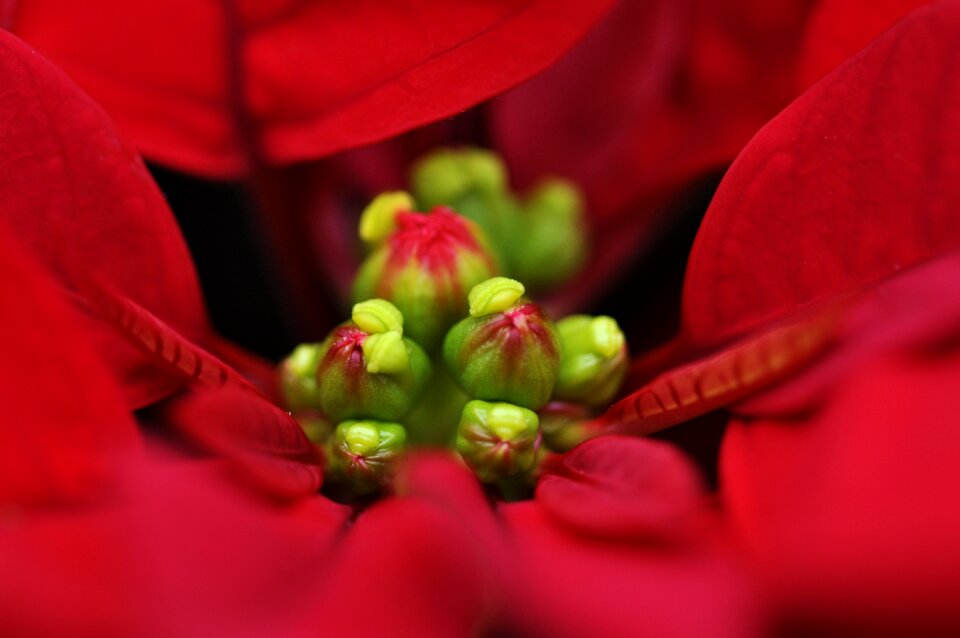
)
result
[(507, 350), (424, 264), (367, 369), (498, 440), (361, 454)]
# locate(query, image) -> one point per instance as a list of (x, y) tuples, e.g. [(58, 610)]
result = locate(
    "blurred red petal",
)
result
[(264, 443), (87, 207), (181, 552), (208, 87), (849, 514), (63, 417), (839, 28), (658, 93), (442, 479), (568, 586), (853, 181), (408, 567), (623, 488)]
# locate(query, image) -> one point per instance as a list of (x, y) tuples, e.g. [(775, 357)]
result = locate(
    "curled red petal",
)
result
[(264, 444), (63, 420), (213, 87), (623, 488), (909, 312), (733, 373), (86, 206), (853, 181)]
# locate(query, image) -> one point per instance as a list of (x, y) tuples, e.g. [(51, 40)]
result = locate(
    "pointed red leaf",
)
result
[(86, 206), (853, 181), (209, 87), (623, 488), (62, 417)]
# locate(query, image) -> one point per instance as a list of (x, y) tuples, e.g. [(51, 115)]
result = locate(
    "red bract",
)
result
[(64, 422), (847, 475), (840, 482), (86, 207), (218, 88), (848, 185)]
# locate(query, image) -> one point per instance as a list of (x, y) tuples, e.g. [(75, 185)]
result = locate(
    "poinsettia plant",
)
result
[(152, 485)]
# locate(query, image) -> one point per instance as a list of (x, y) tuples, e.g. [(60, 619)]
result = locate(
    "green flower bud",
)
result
[(594, 361), (549, 242), (377, 315), (298, 377), (361, 453), (379, 376), (425, 268), (497, 440), (473, 182), (508, 355), (448, 175), (564, 425), (378, 219), (315, 425)]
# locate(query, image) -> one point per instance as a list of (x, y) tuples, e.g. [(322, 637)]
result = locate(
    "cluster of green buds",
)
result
[(538, 237), (443, 350)]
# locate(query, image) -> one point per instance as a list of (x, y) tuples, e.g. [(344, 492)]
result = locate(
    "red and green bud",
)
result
[(594, 361), (361, 454), (424, 264), (368, 369), (473, 182), (506, 350), (498, 440), (539, 238)]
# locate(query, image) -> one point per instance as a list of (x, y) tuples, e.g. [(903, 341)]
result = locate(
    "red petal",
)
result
[(729, 375), (658, 93), (205, 87), (623, 488), (263, 442), (860, 496), (839, 28), (181, 553), (87, 207), (407, 568), (907, 312), (853, 181), (568, 586), (62, 417)]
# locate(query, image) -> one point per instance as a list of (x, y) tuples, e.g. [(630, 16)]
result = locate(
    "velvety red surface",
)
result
[(216, 87), (852, 182)]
